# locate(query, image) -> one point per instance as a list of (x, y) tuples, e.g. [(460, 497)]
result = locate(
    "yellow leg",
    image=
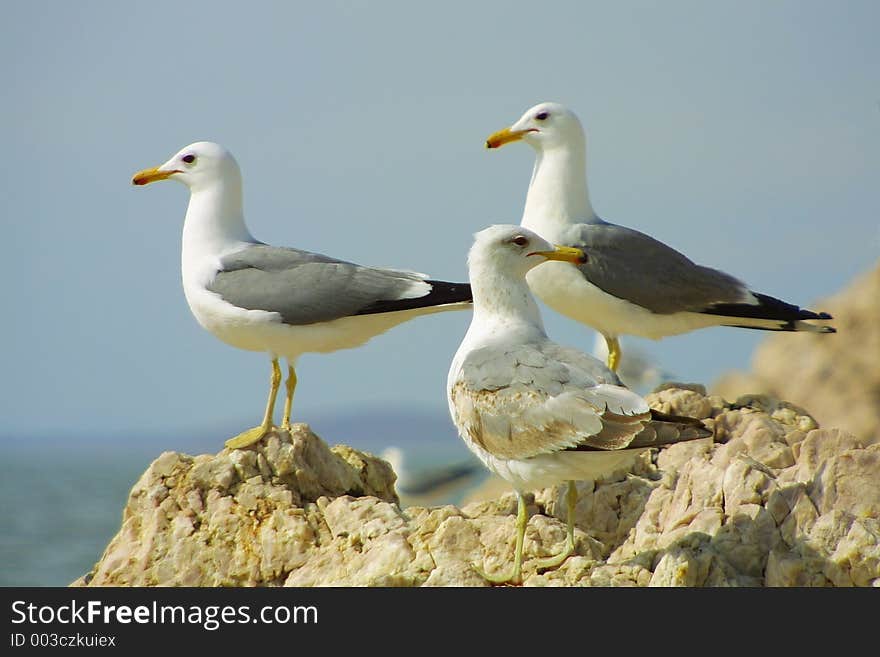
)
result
[(251, 436), (288, 401), (613, 353), (571, 498), (515, 577)]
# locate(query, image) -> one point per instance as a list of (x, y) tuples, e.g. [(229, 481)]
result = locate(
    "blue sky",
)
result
[(745, 134)]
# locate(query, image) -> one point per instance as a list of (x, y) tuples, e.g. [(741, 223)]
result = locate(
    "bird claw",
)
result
[(514, 578), (555, 561), (249, 437)]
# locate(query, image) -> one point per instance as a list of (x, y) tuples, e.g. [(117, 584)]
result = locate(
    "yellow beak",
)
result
[(506, 136), (564, 254), (147, 176)]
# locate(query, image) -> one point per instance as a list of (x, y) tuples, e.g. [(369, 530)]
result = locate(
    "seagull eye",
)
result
[(520, 240), (542, 116), (189, 158)]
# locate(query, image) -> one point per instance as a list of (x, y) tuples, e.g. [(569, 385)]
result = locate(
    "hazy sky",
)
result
[(745, 134)]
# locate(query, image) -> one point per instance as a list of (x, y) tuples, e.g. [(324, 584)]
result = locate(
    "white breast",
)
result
[(562, 287)]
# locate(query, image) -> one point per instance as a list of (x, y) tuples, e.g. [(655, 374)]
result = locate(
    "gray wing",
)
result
[(305, 288), (585, 369), (633, 266), (522, 401)]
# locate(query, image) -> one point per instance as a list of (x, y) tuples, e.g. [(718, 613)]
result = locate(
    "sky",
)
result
[(747, 135)]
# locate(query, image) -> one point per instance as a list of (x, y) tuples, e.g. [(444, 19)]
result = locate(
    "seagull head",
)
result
[(544, 126), (515, 250), (197, 166)]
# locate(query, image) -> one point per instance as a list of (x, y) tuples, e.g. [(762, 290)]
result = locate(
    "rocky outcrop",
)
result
[(836, 376), (776, 501), (240, 518)]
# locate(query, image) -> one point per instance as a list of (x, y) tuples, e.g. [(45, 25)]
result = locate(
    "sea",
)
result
[(63, 498)]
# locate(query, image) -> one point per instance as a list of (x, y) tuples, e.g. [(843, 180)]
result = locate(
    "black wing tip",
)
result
[(453, 292), (809, 314), (689, 428), (790, 327), (767, 307), (679, 419), (442, 293)]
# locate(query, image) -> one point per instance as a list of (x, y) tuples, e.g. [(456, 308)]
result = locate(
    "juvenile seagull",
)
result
[(632, 284), (283, 301), (534, 412)]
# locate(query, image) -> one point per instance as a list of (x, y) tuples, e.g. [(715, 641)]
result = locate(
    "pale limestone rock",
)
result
[(679, 567), (859, 551), (454, 546), (775, 501), (241, 517)]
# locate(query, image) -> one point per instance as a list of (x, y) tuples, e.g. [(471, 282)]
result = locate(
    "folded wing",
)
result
[(306, 288), (521, 402)]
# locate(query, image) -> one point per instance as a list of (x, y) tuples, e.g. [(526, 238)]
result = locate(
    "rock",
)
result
[(836, 376), (240, 518), (776, 501)]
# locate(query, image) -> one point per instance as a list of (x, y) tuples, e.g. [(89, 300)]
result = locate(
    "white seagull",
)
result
[(632, 283), (281, 301), (534, 412)]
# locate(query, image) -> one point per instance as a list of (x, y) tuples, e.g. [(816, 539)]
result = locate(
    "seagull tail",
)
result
[(770, 314), (666, 429)]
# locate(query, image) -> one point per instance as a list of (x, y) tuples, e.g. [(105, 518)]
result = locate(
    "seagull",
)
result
[(632, 283), (281, 301), (534, 412)]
